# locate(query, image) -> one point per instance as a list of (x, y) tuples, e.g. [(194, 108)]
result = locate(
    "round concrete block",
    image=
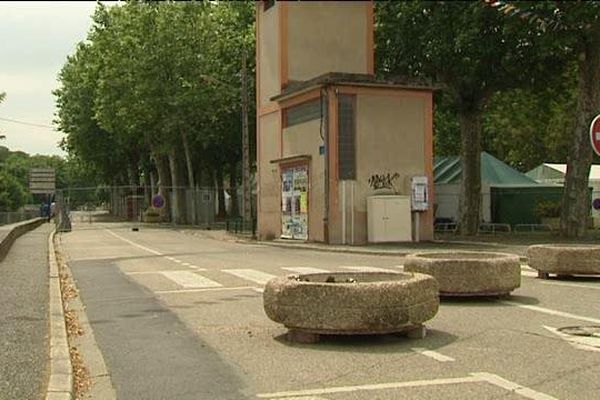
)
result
[(468, 273), (564, 259), (351, 303)]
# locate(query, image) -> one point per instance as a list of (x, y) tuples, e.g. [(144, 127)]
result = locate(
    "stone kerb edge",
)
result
[(60, 382), (17, 230)]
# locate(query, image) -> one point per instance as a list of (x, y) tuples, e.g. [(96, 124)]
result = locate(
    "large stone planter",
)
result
[(351, 303), (469, 273), (564, 259)]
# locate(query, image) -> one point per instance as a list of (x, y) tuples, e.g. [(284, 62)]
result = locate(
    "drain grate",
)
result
[(589, 330)]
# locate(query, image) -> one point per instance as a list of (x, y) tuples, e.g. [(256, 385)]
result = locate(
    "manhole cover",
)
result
[(590, 330)]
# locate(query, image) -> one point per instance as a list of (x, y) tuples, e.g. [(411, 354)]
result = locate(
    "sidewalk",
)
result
[(24, 317), (388, 249)]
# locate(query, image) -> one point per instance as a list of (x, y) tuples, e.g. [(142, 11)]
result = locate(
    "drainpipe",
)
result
[(325, 137)]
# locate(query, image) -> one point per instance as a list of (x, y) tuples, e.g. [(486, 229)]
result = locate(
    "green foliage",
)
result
[(12, 192), (547, 209), (151, 74)]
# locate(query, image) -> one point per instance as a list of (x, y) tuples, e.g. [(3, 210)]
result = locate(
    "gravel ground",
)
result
[(24, 317)]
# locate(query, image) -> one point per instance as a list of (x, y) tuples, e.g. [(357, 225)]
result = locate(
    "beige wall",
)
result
[(269, 216), (326, 37), (268, 53), (390, 138), (304, 139)]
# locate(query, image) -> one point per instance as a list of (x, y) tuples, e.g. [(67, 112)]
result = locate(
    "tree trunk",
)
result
[(576, 197), (177, 197), (470, 186), (233, 200), (188, 161), (164, 181), (191, 180), (222, 212)]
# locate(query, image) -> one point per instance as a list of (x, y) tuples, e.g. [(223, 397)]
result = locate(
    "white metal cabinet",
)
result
[(389, 219)]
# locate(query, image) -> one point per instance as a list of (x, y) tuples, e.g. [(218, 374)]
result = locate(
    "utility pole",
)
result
[(246, 189)]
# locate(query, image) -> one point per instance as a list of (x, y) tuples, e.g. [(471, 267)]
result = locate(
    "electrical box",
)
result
[(419, 189), (389, 219)]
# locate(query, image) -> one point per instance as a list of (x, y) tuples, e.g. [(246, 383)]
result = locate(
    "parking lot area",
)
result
[(179, 315)]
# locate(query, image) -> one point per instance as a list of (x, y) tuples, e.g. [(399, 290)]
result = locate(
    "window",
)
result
[(347, 136), (301, 113)]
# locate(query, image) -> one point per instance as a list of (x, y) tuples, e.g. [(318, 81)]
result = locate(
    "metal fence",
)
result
[(152, 205), (7, 218)]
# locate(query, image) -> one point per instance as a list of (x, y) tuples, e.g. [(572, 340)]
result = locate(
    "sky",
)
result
[(35, 40)]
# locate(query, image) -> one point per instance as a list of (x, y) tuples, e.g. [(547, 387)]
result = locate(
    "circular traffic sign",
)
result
[(595, 134), (158, 201)]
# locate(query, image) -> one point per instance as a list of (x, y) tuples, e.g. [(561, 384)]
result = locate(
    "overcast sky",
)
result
[(35, 39)]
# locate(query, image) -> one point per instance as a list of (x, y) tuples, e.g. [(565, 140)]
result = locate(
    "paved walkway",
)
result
[(391, 249), (24, 317)]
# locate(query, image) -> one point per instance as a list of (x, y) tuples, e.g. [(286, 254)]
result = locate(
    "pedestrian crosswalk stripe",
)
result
[(189, 279), (251, 275), (305, 270)]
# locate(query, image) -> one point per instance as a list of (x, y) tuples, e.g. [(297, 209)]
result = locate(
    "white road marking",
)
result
[(367, 269), (579, 342), (553, 312), (432, 354), (158, 253), (259, 290), (570, 285), (170, 258), (251, 275), (529, 273), (378, 386), (153, 272), (476, 377), (305, 270), (189, 279), (186, 264), (177, 261), (215, 289), (512, 386)]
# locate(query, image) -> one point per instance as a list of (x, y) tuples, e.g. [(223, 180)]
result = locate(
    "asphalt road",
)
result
[(170, 309), (24, 317)]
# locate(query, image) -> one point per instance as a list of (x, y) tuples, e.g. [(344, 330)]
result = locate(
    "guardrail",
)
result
[(9, 233)]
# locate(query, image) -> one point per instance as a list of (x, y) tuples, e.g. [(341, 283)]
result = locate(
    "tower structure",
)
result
[(325, 125)]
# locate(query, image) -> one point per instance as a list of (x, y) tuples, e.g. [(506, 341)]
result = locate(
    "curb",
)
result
[(391, 253), (332, 249), (60, 382)]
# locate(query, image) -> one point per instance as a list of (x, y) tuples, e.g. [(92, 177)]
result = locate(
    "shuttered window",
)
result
[(347, 136), (302, 113)]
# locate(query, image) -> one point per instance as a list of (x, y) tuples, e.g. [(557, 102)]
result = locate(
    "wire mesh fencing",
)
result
[(202, 207)]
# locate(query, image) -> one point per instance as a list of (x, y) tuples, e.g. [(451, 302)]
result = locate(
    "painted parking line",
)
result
[(576, 285), (189, 280), (215, 289), (432, 354), (359, 268), (305, 270), (553, 312), (251, 275), (139, 246), (476, 377), (512, 386)]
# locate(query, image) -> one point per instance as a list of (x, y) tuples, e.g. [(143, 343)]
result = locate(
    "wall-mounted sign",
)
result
[(419, 193)]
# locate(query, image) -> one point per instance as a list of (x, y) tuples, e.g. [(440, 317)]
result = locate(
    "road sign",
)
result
[(42, 180), (158, 201), (595, 134)]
